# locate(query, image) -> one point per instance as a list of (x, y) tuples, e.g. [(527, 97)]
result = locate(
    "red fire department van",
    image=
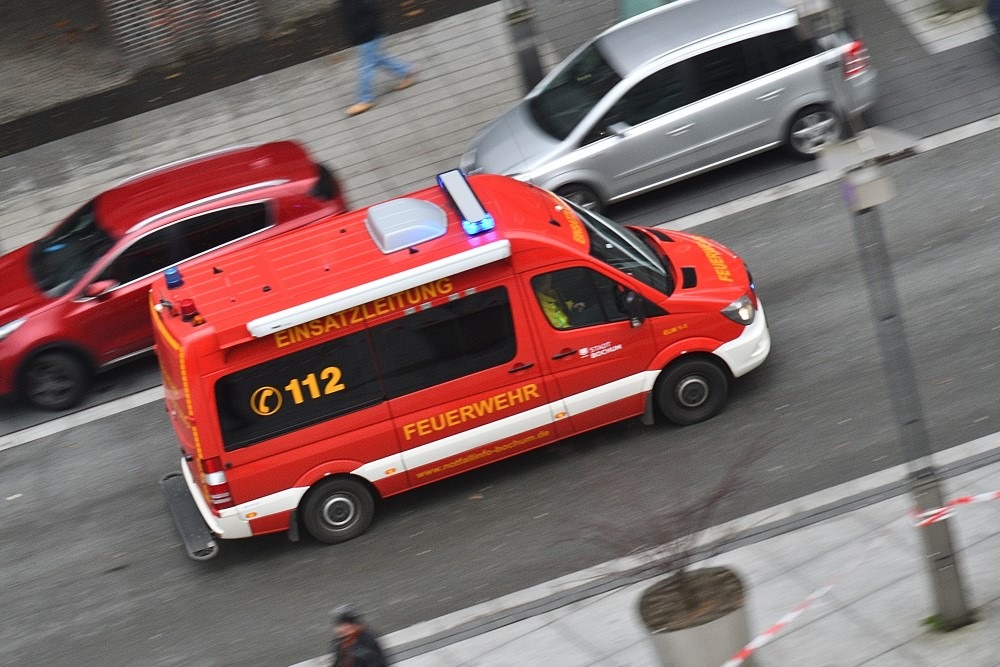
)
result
[(386, 348)]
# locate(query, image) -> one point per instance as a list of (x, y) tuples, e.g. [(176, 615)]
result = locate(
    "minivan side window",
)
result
[(720, 69), (781, 49), (445, 342), (579, 297), (657, 94)]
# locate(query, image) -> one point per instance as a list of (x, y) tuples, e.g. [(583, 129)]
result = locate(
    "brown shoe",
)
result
[(407, 81), (360, 107)]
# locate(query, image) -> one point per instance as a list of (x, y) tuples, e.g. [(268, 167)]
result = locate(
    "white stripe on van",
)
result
[(448, 447)]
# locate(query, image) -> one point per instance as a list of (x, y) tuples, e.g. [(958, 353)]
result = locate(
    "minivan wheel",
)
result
[(338, 510), (692, 391), (54, 380), (582, 195), (810, 130)]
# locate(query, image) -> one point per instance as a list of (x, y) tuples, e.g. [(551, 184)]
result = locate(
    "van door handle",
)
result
[(520, 367), (680, 130), (564, 353), (771, 95)]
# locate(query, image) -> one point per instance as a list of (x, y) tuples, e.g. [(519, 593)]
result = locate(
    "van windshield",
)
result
[(574, 91), (61, 258), (623, 249)]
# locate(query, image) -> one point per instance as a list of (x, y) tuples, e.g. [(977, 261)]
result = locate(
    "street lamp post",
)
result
[(864, 186), (857, 161)]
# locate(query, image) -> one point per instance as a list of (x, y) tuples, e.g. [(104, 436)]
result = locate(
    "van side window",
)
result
[(578, 297), (445, 342), (657, 94), (297, 390), (207, 232), (781, 49), (720, 69)]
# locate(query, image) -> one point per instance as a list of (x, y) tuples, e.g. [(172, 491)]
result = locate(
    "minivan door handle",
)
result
[(564, 353), (771, 95), (520, 367), (680, 130)]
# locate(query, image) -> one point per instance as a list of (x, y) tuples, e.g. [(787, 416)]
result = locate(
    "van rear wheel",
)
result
[(692, 391), (338, 510)]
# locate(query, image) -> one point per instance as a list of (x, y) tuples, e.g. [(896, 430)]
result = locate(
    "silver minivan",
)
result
[(677, 91)]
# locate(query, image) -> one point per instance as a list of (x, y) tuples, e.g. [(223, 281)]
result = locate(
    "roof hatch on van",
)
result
[(403, 223)]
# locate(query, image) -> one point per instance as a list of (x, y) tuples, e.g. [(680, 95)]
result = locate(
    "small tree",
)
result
[(690, 596)]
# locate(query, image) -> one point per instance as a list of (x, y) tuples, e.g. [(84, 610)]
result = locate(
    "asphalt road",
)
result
[(95, 574)]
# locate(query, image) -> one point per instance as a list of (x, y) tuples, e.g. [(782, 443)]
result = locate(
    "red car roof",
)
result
[(172, 186)]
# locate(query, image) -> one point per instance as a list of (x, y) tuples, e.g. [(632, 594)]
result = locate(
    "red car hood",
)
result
[(19, 296)]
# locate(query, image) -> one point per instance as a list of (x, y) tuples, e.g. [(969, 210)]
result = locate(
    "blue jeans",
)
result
[(373, 57)]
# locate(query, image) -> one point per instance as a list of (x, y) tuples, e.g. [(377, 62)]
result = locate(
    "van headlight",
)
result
[(11, 327), (740, 311)]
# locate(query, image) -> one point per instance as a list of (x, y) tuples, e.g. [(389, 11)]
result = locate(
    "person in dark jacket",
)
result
[(364, 28), (354, 644)]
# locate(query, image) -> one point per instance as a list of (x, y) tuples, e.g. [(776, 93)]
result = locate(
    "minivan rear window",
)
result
[(564, 102)]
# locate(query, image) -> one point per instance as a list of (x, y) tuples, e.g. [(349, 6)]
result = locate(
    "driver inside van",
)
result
[(556, 307)]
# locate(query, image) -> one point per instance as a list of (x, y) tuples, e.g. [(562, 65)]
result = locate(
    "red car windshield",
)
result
[(61, 258)]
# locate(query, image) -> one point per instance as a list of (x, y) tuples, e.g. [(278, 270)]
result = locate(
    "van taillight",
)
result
[(215, 480), (856, 59)]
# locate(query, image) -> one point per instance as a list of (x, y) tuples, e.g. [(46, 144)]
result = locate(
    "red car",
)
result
[(75, 302)]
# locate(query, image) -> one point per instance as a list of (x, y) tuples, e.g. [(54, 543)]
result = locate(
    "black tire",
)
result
[(810, 130), (582, 195), (692, 391), (54, 380), (338, 510)]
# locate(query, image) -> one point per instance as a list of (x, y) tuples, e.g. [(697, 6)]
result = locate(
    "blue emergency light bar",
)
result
[(475, 219)]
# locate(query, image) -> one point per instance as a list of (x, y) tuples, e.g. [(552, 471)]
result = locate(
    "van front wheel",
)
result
[(338, 510), (692, 391)]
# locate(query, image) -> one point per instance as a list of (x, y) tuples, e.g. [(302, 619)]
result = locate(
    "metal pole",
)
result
[(939, 554), (952, 610), (520, 18)]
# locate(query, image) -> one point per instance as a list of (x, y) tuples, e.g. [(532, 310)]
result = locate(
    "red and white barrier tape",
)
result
[(941, 513), (769, 634), (920, 520), (783, 622)]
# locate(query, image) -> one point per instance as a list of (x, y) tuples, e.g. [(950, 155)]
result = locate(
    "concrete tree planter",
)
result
[(696, 618)]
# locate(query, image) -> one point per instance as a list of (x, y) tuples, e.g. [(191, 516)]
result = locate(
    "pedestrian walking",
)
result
[(364, 27), (354, 644)]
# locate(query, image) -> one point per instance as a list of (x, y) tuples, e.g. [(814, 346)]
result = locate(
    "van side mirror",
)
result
[(618, 129), (633, 306)]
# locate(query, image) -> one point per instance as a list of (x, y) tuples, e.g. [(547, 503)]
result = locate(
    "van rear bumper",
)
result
[(749, 350), (198, 539)]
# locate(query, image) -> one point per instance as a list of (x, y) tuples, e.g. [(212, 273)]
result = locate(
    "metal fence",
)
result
[(159, 32)]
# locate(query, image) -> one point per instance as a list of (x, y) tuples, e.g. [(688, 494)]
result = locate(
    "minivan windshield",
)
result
[(574, 91), (623, 249), (61, 258)]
